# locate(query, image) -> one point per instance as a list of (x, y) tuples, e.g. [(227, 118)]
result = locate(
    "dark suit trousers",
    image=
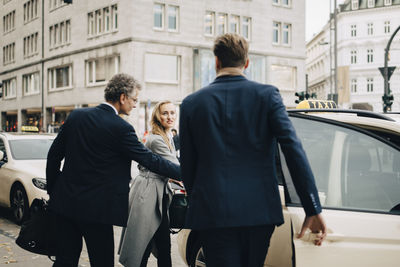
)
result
[(99, 240), (236, 247)]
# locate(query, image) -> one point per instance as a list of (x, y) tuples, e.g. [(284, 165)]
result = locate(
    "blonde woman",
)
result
[(148, 225)]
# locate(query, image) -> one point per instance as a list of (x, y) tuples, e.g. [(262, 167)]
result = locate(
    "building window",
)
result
[(354, 85), (60, 34), (387, 27), (162, 68), (68, 31), (234, 24), (53, 4), (353, 30), (286, 3), (209, 19), (10, 88), (91, 25), (276, 32), (371, 3), (102, 21), (276, 2), (30, 10), (99, 21), (173, 18), (370, 55), (284, 77), (354, 4), (114, 15), (159, 16), (353, 57), (286, 33), (30, 83), (100, 70), (9, 22), (256, 69), (370, 28), (8, 54), (221, 23), (246, 28), (370, 84), (107, 19), (60, 78), (30, 45), (388, 2)]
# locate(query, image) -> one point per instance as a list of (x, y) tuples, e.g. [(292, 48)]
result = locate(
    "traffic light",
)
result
[(387, 102), (300, 95)]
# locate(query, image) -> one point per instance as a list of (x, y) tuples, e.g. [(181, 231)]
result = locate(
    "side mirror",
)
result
[(1, 155)]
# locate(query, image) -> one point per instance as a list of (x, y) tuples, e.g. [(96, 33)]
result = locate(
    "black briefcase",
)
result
[(37, 234), (177, 211)]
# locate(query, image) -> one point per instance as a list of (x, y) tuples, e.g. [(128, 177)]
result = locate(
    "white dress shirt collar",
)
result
[(106, 103)]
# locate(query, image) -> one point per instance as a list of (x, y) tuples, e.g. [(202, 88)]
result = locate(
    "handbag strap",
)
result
[(173, 231)]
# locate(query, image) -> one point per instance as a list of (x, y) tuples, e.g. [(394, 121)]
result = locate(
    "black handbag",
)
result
[(177, 211), (37, 234)]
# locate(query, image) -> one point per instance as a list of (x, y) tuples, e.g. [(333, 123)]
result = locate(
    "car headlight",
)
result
[(40, 183)]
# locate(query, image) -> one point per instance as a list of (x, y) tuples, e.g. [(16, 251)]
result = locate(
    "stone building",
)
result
[(364, 28), (56, 57)]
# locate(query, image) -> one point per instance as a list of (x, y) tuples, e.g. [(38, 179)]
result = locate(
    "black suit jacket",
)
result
[(228, 134), (98, 147)]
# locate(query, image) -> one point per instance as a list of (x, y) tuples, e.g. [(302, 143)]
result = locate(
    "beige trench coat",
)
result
[(145, 203)]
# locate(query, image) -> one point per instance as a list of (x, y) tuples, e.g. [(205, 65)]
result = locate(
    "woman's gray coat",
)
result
[(145, 203)]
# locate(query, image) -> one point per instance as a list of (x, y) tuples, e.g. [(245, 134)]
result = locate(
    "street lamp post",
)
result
[(387, 97), (335, 49)]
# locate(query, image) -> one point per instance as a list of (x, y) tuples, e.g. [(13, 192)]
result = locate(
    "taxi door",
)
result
[(358, 180)]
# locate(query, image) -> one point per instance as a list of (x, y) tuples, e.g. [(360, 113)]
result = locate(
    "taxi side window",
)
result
[(352, 169)]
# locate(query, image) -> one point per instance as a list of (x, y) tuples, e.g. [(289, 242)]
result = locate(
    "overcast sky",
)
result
[(317, 15)]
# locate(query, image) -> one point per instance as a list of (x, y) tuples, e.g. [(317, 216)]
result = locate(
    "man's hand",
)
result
[(317, 225)]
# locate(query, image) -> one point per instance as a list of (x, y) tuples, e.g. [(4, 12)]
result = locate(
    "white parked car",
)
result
[(355, 158), (23, 171)]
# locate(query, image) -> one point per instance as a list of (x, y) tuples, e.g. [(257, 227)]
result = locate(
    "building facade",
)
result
[(364, 28), (57, 57)]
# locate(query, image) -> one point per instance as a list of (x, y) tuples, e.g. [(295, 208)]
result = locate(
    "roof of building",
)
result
[(363, 4)]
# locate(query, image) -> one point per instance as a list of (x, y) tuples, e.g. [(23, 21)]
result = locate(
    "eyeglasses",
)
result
[(134, 99)]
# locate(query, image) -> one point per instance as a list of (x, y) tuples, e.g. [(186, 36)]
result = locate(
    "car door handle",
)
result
[(331, 237), (309, 237), (334, 237)]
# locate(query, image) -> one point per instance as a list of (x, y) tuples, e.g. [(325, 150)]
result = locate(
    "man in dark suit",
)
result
[(90, 194), (229, 132)]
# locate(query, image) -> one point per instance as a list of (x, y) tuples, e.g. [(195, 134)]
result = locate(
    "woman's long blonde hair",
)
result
[(155, 123)]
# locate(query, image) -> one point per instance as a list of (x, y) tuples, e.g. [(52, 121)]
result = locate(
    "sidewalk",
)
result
[(13, 256)]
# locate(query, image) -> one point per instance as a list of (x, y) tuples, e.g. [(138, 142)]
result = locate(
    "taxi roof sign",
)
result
[(319, 104), (30, 129)]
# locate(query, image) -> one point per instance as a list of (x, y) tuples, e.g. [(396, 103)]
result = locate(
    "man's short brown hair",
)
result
[(231, 49)]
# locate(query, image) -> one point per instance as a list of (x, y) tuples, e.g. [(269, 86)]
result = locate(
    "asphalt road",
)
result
[(13, 256)]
